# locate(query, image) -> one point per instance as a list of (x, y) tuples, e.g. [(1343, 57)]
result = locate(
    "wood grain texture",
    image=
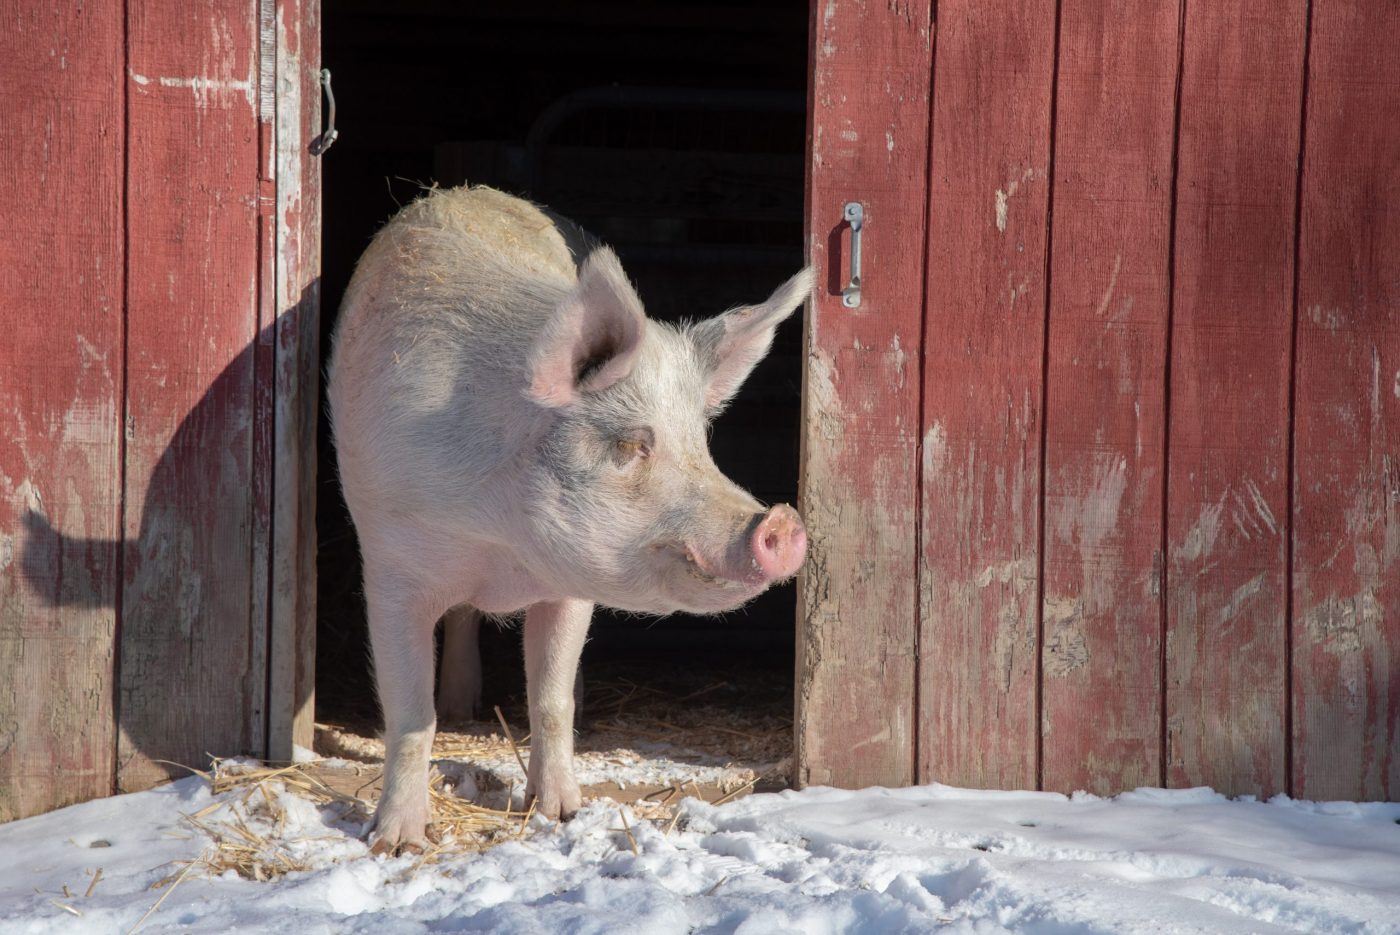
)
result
[(1346, 486), (291, 705), (858, 599), (61, 262), (1228, 524), (1106, 396), (193, 678), (983, 350)]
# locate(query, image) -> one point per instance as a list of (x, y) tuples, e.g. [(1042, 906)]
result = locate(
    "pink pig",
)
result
[(514, 433)]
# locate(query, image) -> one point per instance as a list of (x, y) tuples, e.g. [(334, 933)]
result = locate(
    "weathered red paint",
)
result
[(1168, 370), (1226, 570), (190, 643), (1346, 484), (983, 347), (292, 661), (61, 253), (158, 396), (1105, 395), (858, 611)]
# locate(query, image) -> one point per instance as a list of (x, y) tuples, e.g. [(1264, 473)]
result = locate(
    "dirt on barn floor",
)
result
[(647, 736)]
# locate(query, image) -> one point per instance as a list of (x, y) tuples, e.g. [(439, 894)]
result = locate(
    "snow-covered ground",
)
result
[(821, 860)]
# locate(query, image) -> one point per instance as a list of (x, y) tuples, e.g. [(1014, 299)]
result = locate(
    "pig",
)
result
[(513, 433), (459, 668)]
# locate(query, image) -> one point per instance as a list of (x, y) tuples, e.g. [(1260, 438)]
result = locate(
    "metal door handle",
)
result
[(855, 216)]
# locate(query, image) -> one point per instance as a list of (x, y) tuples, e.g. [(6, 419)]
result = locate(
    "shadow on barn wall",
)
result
[(194, 574)]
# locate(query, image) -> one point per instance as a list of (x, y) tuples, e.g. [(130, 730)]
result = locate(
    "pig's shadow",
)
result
[(188, 585)]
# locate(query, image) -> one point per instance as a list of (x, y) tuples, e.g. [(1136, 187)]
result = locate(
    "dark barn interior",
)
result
[(675, 131)]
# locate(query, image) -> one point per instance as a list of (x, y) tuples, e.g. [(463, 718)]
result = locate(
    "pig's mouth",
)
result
[(700, 570), (770, 550)]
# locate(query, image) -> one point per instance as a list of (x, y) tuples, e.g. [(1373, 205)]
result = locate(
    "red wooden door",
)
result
[(158, 402), (62, 258), (1127, 509)]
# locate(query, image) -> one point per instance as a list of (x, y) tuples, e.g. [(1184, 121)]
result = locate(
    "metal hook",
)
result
[(326, 139)]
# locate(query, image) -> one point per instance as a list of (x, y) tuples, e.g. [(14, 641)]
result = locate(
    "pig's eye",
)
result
[(632, 446)]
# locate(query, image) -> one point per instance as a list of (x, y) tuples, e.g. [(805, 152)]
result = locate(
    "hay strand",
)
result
[(631, 839), (163, 896), (513, 748), (66, 908)]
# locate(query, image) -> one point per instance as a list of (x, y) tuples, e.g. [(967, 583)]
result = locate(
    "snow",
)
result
[(815, 861)]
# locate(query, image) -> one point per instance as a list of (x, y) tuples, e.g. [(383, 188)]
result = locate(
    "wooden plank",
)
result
[(1105, 396), (292, 691), (191, 678), (983, 350), (61, 143), (1346, 485), (858, 599), (1227, 500)]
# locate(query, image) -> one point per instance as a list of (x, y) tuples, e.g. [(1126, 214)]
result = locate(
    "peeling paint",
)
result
[(935, 449), (1112, 284), (1200, 538), (1337, 624), (1002, 197), (1330, 318), (824, 407), (1066, 648), (1241, 596)]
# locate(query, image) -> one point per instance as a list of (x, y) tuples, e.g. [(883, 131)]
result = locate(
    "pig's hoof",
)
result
[(392, 836), (561, 802)]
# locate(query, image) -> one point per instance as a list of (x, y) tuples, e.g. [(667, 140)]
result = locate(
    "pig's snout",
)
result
[(779, 543)]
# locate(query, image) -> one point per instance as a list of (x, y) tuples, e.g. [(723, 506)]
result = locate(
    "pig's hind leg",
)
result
[(554, 635), (459, 678), (401, 622)]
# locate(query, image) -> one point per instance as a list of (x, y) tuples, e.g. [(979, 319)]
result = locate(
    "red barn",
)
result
[(1100, 455)]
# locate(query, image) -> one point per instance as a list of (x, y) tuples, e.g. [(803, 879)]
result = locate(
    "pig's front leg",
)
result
[(401, 633), (459, 682), (554, 635)]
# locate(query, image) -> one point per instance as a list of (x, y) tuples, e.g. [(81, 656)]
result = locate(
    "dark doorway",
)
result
[(675, 131)]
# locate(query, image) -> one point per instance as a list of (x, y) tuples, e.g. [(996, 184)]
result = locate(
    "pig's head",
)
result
[(626, 506)]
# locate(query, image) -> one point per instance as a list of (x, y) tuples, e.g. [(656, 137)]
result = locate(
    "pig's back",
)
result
[(428, 366)]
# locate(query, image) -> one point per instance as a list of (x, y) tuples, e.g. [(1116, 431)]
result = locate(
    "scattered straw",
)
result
[(513, 748), (93, 885), (163, 896), (66, 908), (735, 792), (525, 821), (627, 829)]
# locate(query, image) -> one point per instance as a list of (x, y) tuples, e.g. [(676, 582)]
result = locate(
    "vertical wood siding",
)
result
[(61, 287), (296, 26), (1106, 393), (982, 349), (1346, 485), (869, 138), (190, 643), (1227, 496), (1158, 488), (153, 381)]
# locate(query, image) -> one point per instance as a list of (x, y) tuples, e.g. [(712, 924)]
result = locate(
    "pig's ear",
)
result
[(733, 343), (591, 340)]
